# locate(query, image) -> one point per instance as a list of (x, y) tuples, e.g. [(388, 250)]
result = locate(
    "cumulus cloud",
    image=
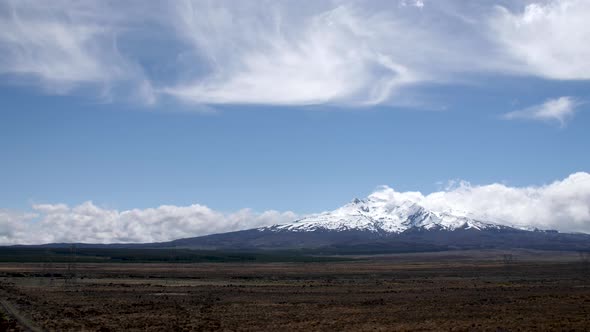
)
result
[(342, 52), (13, 225), (563, 205), (558, 110), (49, 223)]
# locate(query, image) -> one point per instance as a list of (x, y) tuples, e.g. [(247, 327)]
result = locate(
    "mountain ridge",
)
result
[(382, 217), (381, 225), (376, 225)]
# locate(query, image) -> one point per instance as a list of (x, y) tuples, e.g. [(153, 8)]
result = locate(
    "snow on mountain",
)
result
[(383, 216)]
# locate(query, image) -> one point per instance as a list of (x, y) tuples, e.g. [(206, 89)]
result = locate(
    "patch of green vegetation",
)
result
[(132, 255)]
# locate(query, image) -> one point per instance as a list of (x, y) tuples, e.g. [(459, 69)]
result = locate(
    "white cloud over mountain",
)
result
[(285, 53), (562, 205)]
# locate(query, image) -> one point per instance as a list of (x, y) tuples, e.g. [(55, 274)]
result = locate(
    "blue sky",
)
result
[(284, 106), (64, 149)]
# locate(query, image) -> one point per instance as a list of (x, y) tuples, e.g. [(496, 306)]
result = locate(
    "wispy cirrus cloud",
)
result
[(546, 38), (338, 55), (65, 45), (285, 53), (558, 110)]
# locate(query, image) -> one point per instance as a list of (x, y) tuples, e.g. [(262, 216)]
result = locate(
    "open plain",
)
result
[(448, 291)]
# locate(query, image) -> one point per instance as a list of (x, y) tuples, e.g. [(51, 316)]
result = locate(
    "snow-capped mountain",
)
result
[(381, 225), (380, 216)]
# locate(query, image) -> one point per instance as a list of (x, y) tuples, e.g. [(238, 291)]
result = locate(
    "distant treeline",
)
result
[(118, 255)]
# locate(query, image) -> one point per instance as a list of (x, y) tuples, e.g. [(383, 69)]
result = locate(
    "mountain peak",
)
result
[(357, 201), (379, 216)]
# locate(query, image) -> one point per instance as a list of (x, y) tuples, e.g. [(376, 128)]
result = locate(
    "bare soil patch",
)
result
[(460, 291)]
